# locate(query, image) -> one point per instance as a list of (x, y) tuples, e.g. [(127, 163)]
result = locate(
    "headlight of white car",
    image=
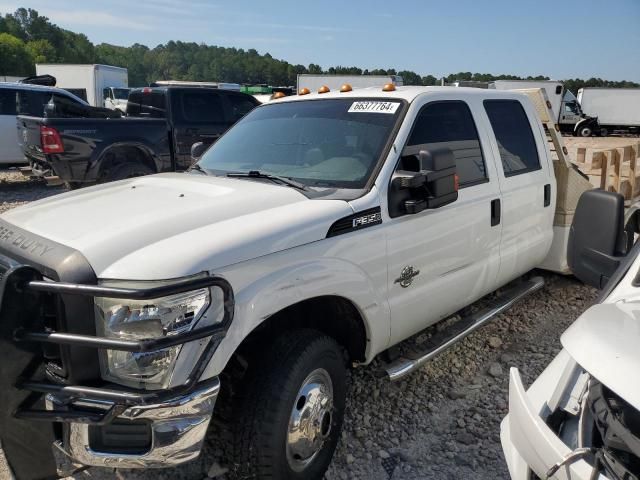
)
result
[(147, 319)]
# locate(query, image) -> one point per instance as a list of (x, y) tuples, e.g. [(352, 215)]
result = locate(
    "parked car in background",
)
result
[(580, 419), (161, 125), (617, 109), (99, 85), (24, 99), (317, 233)]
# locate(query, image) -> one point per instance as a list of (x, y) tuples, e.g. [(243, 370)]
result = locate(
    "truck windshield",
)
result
[(121, 93), (333, 143)]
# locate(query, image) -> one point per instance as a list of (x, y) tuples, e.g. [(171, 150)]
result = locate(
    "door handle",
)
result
[(495, 212), (547, 195)]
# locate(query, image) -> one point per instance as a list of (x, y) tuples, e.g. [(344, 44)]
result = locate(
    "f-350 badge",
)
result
[(406, 276)]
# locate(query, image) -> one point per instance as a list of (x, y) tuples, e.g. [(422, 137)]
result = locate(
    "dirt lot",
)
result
[(439, 423)]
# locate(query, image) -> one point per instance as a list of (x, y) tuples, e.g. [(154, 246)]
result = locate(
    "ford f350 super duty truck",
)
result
[(580, 419), (317, 233)]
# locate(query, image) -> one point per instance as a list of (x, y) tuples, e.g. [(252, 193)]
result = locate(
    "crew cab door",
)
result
[(455, 248), (527, 184), (198, 115)]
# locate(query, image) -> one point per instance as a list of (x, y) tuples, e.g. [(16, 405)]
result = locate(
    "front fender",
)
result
[(261, 298), (591, 122)]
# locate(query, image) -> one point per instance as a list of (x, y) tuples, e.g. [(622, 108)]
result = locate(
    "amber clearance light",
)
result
[(345, 88), (388, 87), (304, 91), (277, 95), (324, 89)]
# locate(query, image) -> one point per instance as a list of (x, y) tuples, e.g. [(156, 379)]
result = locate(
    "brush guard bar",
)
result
[(118, 399)]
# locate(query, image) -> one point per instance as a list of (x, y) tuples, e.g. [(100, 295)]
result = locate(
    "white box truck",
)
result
[(566, 110), (334, 82), (100, 85), (616, 108)]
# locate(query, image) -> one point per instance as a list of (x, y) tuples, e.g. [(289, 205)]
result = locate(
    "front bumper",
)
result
[(529, 445), (178, 427)]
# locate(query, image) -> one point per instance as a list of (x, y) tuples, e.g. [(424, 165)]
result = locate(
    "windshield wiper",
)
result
[(197, 167), (268, 176)]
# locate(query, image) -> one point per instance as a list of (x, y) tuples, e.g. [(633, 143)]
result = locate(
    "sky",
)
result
[(557, 38)]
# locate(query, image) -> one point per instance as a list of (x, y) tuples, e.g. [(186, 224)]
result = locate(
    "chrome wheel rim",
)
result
[(310, 420)]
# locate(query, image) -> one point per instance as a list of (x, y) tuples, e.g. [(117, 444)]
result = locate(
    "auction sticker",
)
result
[(373, 107)]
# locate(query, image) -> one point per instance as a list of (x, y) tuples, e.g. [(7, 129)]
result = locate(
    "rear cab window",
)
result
[(450, 124), (32, 102), (515, 139), (8, 101), (143, 103)]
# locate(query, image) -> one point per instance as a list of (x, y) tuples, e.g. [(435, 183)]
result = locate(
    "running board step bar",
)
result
[(442, 340)]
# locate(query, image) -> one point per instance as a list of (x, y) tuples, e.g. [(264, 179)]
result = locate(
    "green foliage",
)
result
[(27, 38), (14, 58)]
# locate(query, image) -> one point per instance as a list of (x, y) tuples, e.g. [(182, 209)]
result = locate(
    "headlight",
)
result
[(147, 319)]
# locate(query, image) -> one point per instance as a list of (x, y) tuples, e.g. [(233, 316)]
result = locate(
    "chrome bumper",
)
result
[(178, 427)]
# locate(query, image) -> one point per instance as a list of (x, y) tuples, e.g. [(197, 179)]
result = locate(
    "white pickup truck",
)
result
[(580, 419), (316, 234)]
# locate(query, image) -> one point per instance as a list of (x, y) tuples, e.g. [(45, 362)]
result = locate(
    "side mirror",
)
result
[(425, 179), (598, 240), (197, 150)]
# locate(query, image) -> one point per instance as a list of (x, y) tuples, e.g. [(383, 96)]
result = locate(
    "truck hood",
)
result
[(170, 225), (604, 341)]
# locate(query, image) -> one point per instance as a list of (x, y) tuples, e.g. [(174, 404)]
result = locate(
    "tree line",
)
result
[(27, 38)]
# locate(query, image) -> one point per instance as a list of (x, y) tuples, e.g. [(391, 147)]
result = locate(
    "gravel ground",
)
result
[(439, 423)]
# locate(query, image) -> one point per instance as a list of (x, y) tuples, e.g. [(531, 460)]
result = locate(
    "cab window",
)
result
[(516, 143), (240, 106), (7, 101), (449, 124), (32, 103), (199, 105)]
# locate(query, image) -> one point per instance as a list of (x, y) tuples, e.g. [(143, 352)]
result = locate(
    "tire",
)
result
[(604, 132), (126, 170), (585, 131), (301, 370)]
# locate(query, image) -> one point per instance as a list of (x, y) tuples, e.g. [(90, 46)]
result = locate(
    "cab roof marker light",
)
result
[(389, 87), (324, 89), (304, 91), (345, 88), (278, 95)]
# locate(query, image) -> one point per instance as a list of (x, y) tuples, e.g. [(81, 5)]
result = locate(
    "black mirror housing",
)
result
[(426, 179), (598, 240), (197, 150)]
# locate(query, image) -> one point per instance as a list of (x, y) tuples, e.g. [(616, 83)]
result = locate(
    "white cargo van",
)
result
[(100, 85)]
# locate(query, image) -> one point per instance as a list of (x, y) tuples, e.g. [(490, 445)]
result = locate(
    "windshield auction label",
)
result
[(374, 107)]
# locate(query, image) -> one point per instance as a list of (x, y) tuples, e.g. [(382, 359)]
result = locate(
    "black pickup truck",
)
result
[(156, 135)]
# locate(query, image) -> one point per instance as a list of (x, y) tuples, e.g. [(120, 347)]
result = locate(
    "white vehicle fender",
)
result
[(259, 299)]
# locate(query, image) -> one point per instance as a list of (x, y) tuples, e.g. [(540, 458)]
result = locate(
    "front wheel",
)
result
[(289, 413), (585, 131)]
